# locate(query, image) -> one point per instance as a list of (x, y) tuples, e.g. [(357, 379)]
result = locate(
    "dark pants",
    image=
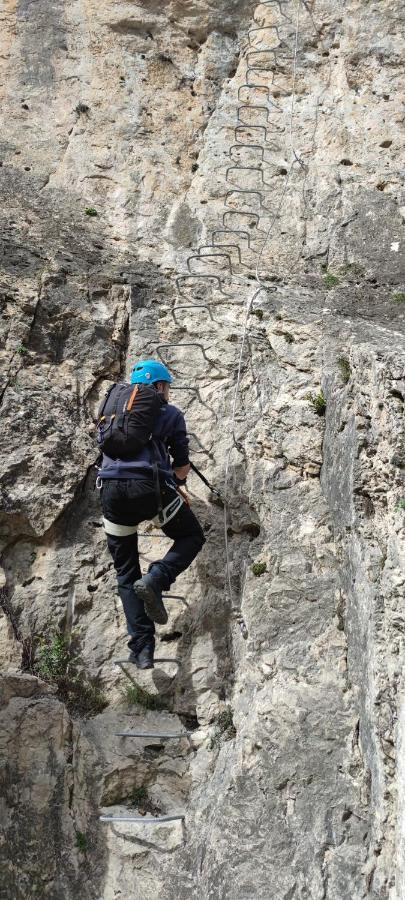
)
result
[(129, 503)]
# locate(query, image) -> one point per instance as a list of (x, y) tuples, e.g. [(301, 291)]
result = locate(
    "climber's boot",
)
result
[(143, 659), (149, 591)]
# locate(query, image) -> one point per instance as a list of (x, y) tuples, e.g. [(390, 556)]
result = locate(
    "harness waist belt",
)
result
[(118, 530)]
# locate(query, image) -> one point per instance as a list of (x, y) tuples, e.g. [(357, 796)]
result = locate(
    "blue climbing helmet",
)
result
[(147, 371)]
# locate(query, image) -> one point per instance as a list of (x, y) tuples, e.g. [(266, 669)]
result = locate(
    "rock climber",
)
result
[(145, 459)]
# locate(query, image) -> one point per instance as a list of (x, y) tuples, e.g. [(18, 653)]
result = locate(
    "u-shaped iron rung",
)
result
[(256, 107), (210, 277), (232, 231), (246, 147), (156, 659), (263, 28), (245, 192), (225, 246), (275, 53), (160, 735), (144, 820), (182, 344), (245, 128), (208, 256), (202, 448), (238, 212)]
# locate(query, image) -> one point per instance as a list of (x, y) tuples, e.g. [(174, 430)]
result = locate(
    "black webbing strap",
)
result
[(156, 480)]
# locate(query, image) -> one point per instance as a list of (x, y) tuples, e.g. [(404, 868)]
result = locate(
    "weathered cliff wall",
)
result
[(128, 131)]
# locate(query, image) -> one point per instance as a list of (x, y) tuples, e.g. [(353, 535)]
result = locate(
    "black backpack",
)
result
[(126, 419)]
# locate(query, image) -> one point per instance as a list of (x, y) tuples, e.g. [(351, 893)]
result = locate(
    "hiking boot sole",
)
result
[(141, 663), (154, 607)]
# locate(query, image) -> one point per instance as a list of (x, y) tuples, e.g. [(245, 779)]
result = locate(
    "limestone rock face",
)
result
[(218, 185)]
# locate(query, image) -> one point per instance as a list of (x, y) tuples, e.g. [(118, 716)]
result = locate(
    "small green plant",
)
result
[(224, 728), (345, 368), (81, 841), (81, 108), (90, 211), (135, 695), (259, 568), (317, 401), (401, 503), (55, 664), (139, 796), (399, 297), (258, 312), (330, 280), (53, 658), (288, 337), (22, 350)]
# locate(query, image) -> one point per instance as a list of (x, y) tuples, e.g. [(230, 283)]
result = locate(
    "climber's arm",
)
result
[(178, 449)]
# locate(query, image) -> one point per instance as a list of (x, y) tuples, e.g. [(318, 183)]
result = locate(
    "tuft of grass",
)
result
[(399, 297), (53, 658), (139, 796), (288, 337), (345, 368), (22, 350), (224, 728), (55, 663), (317, 401), (330, 281), (259, 568), (81, 108), (401, 503), (90, 211), (135, 695), (81, 841), (258, 312)]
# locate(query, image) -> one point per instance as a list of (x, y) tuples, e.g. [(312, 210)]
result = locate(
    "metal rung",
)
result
[(254, 128), (153, 734), (143, 820), (255, 107), (233, 230), (175, 597), (210, 277), (209, 256), (212, 246), (160, 659)]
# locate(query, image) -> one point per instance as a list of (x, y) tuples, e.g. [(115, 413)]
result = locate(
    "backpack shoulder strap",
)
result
[(104, 402)]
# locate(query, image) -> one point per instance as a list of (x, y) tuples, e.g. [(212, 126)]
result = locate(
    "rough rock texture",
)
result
[(127, 131)]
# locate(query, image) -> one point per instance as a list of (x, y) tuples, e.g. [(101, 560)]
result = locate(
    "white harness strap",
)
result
[(118, 530), (169, 511)]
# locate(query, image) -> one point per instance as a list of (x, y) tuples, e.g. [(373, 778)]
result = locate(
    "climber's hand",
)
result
[(181, 473)]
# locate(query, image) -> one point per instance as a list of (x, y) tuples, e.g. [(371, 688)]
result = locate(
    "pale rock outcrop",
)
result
[(118, 130)]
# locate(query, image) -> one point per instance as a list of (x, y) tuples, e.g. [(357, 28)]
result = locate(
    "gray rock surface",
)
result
[(127, 131)]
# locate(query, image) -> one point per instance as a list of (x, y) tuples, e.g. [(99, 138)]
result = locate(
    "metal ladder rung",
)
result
[(157, 659), (150, 734), (143, 820)]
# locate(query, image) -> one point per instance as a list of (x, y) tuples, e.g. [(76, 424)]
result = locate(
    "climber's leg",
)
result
[(188, 538), (126, 504)]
